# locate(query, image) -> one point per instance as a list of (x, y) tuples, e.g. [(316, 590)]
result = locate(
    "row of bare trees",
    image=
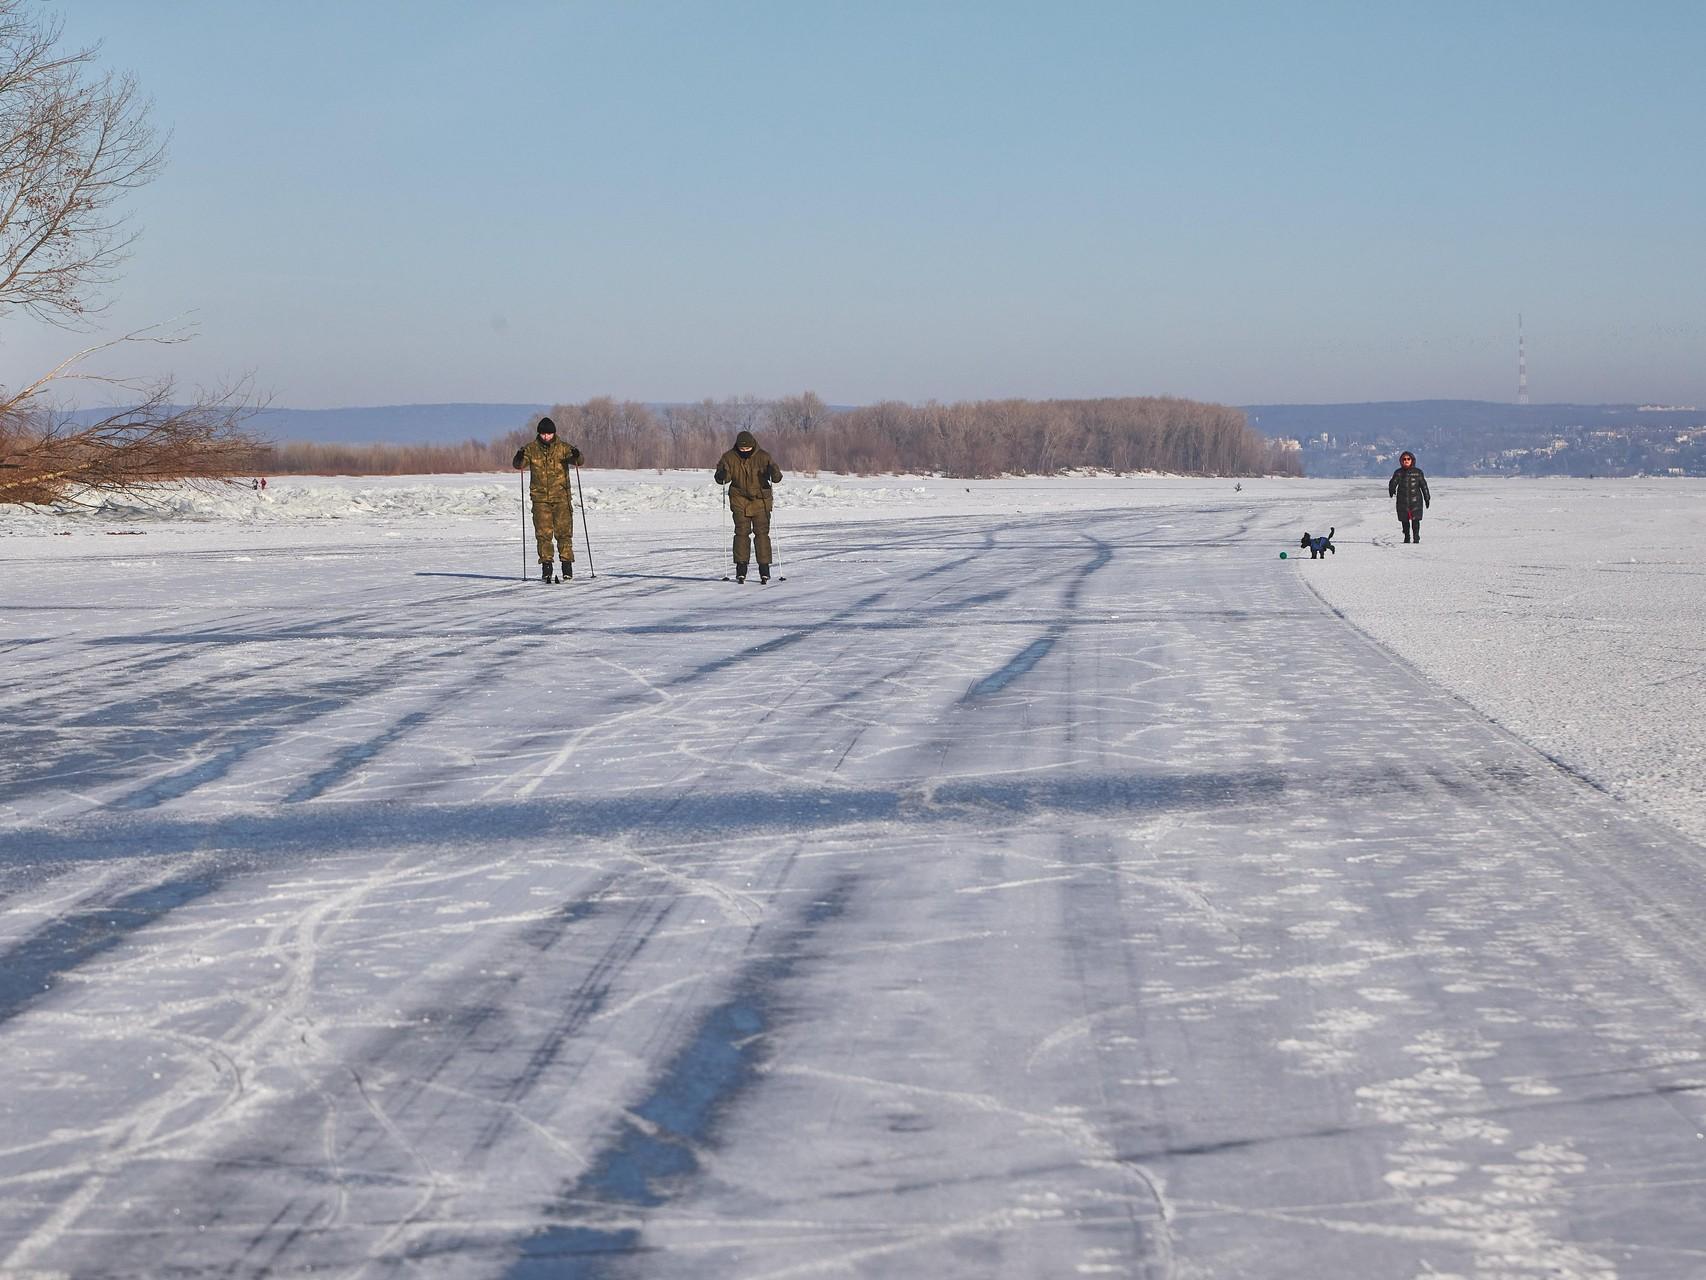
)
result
[(1036, 437), (73, 142), (973, 438), (967, 438)]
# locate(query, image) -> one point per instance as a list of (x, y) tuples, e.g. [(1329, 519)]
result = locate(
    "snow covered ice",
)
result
[(1045, 881)]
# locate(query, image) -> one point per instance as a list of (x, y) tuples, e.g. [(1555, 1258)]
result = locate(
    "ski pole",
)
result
[(586, 533), (523, 478)]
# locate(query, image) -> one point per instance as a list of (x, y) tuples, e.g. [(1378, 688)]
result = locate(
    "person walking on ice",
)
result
[(548, 460), (749, 472), (1410, 487)]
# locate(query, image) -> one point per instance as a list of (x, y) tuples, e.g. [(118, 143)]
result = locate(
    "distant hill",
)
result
[(1458, 415), (380, 424), (1486, 437), (394, 423)]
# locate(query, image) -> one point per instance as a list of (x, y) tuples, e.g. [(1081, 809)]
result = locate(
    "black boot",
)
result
[(1406, 531), (568, 570), (1418, 536), (545, 571), (763, 572), (740, 573)]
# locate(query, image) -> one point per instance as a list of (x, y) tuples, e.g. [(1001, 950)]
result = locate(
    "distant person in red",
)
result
[(263, 482), (1410, 487)]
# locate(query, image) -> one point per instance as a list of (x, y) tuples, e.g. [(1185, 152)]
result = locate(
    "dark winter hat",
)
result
[(546, 427), (745, 440)]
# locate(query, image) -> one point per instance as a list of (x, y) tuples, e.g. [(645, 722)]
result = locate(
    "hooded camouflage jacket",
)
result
[(548, 467), (749, 478)]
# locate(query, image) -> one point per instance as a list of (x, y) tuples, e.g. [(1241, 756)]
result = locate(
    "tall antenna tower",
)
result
[(1521, 363)]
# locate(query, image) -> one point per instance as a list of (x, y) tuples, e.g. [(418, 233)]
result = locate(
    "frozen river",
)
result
[(1047, 893)]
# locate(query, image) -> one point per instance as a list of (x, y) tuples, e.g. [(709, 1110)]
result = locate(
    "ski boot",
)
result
[(568, 570), (740, 573), (545, 571), (763, 573)]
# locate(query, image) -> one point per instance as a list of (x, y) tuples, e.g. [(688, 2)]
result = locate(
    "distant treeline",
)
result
[(970, 438)]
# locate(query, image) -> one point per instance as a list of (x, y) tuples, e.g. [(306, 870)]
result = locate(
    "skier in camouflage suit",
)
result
[(749, 472), (548, 460)]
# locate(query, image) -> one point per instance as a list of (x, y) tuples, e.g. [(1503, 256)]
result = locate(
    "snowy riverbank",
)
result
[(1569, 611)]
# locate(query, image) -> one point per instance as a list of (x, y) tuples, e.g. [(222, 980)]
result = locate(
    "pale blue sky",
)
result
[(420, 200)]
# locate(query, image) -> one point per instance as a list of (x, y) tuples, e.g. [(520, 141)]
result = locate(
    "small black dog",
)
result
[(1319, 547)]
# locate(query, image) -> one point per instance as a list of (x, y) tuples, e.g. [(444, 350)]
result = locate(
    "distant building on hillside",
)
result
[(1483, 437)]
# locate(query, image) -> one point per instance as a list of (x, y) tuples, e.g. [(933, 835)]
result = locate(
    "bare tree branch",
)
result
[(56, 458), (72, 144)]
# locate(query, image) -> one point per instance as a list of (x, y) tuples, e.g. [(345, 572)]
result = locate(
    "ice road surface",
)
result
[(1044, 881)]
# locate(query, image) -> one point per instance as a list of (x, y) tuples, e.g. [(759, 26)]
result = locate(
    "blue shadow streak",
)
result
[(31, 967), (308, 831), (1017, 666), (1027, 658), (352, 758), (654, 1159)]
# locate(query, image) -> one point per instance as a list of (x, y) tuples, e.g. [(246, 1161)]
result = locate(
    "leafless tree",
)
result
[(797, 413), (73, 143)]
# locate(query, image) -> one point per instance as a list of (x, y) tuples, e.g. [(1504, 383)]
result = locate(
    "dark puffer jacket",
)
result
[(1410, 487)]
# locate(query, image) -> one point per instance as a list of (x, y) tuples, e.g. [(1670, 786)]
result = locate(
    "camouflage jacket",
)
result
[(548, 467)]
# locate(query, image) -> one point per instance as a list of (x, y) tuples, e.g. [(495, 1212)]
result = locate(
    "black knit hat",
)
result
[(546, 427)]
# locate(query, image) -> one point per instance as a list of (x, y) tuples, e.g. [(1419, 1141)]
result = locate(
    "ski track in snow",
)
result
[(1037, 887)]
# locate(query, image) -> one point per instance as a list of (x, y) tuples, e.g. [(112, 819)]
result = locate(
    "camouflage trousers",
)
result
[(750, 529), (554, 518)]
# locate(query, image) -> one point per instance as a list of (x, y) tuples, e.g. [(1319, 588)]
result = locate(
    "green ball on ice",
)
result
[(1282, 555)]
